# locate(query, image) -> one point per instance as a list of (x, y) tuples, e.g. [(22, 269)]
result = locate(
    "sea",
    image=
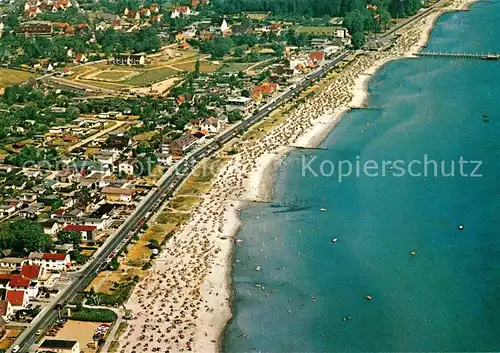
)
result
[(396, 258)]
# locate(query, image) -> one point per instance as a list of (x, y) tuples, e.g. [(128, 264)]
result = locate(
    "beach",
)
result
[(185, 301)]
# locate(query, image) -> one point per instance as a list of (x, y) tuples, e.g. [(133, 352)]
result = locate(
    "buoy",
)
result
[(368, 297), (460, 227), (412, 253)]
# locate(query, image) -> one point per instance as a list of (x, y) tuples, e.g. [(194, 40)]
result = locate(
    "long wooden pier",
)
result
[(483, 56)]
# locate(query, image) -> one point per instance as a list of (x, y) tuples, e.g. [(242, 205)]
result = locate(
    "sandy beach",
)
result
[(185, 302)]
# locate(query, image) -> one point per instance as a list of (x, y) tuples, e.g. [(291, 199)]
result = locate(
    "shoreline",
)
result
[(325, 124), (189, 293)]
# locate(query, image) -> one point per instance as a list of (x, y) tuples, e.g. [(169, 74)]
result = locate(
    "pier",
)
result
[(483, 56)]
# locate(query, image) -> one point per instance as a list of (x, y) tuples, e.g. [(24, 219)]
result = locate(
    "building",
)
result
[(127, 166), (212, 125), (317, 57), (180, 10), (128, 59), (118, 194), (87, 231), (340, 33), (117, 143), (18, 299), (183, 144), (11, 262), (265, 89), (50, 261), (242, 104), (59, 346)]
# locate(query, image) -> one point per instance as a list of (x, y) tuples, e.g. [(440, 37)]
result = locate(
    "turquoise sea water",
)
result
[(447, 296)]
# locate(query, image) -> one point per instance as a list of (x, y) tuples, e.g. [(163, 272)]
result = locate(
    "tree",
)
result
[(358, 40), (239, 52), (24, 236), (354, 21), (197, 68), (70, 237)]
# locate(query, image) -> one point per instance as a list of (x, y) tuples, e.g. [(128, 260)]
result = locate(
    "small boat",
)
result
[(322, 209), (486, 120), (460, 227), (334, 240), (347, 318), (368, 297), (239, 241), (257, 268), (413, 253), (485, 115)]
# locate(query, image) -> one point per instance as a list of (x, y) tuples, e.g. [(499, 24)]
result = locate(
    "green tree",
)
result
[(24, 236), (70, 237), (358, 40)]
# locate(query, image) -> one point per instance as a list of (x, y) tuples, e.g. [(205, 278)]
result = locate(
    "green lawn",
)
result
[(112, 75), (151, 76)]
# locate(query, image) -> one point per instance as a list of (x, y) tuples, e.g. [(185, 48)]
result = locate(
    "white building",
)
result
[(50, 261), (127, 167)]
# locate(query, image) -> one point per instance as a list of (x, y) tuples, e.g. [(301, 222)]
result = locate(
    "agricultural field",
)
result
[(11, 77)]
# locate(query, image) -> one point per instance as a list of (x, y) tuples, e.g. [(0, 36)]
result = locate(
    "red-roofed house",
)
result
[(50, 261), (18, 299), (87, 231), (317, 57), (265, 89), (33, 272), (155, 8), (180, 10), (19, 282)]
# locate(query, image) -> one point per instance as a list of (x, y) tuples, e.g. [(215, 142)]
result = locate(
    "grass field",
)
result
[(315, 30), (117, 75), (150, 76), (11, 77), (204, 66)]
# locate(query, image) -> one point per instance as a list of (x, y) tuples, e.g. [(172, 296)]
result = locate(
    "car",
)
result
[(39, 332), (269, 108), (16, 349)]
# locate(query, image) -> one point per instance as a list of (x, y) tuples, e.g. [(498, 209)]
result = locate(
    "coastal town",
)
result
[(133, 132)]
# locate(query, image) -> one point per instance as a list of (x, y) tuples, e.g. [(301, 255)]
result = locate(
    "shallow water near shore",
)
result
[(443, 298)]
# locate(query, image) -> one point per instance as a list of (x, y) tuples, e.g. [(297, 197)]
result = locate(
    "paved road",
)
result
[(153, 201)]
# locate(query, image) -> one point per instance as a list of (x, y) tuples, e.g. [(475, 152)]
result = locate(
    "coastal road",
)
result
[(152, 201)]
